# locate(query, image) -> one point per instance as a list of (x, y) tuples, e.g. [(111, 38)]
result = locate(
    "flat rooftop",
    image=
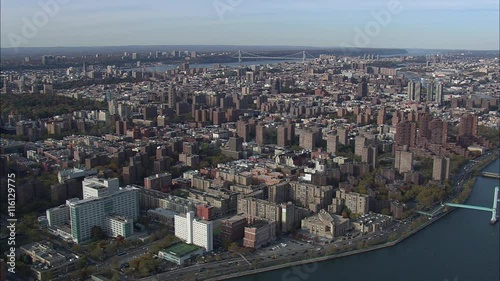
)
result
[(180, 249)]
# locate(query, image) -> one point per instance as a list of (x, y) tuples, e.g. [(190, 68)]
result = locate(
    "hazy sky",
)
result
[(447, 24)]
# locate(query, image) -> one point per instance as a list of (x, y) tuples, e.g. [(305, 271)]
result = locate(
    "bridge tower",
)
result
[(239, 56), (494, 211), (303, 56)]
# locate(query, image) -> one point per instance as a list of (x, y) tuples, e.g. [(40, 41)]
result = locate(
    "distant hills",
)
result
[(79, 51)]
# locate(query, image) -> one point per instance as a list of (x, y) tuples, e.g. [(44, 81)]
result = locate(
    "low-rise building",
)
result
[(180, 252), (326, 225), (372, 222), (47, 261), (259, 233)]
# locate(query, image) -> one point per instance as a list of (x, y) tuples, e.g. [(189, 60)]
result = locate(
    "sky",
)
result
[(428, 24)]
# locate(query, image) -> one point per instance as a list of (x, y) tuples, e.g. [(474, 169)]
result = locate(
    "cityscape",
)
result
[(236, 161)]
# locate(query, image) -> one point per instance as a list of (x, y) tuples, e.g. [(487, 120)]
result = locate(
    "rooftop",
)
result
[(180, 249)]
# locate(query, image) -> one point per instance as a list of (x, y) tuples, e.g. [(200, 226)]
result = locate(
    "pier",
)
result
[(491, 175)]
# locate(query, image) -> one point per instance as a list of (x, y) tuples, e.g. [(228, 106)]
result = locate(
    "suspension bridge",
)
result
[(494, 210), (241, 55)]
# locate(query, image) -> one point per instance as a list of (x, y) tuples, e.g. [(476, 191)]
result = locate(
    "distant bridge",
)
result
[(491, 175), (240, 55)]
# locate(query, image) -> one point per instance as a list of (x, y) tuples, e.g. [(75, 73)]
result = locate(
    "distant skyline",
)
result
[(426, 24)]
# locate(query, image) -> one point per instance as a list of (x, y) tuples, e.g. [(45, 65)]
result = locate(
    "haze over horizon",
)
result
[(443, 24)]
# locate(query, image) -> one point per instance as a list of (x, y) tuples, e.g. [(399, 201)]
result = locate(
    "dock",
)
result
[(491, 175)]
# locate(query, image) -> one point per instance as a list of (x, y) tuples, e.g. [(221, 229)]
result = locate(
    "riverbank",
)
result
[(472, 175), (331, 257)]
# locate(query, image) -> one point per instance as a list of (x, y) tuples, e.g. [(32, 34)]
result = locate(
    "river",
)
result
[(165, 67), (462, 246)]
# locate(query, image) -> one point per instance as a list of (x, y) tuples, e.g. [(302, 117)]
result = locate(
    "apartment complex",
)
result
[(193, 231), (114, 210)]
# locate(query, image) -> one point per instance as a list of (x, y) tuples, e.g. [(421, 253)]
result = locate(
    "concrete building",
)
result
[(332, 144), (192, 231), (355, 202), (371, 222), (258, 233), (342, 133), (311, 196), (369, 155), (114, 213), (326, 225), (441, 168), (287, 216), (406, 133), (283, 140), (439, 94), (158, 181), (260, 134), (97, 187), (359, 143), (309, 139), (74, 173), (179, 253), (403, 161), (163, 216), (468, 126), (233, 229), (47, 260), (57, 216), (279, 193)]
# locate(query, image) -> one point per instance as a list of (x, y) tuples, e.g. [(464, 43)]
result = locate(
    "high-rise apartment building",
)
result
[(439, 93), (403, 161), (405, 134), (441, 168), (114, 213), (468, 126), (193, 231)]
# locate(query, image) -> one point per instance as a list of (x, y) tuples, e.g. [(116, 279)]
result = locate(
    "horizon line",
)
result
[(237, 45)]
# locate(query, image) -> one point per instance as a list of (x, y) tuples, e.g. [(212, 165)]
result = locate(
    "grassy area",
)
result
[(181, 249)]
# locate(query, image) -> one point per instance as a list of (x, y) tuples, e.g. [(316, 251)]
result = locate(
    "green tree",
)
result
[(386, 211), (97, 253), (47, 276), (97, 233)]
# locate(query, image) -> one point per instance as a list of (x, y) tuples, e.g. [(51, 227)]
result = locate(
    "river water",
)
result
[(462, 246), (165, 67)]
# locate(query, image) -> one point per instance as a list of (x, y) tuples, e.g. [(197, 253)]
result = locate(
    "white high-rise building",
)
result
[(193, 231), (439, 93), (58, 215), (97, 187), (114, 213)]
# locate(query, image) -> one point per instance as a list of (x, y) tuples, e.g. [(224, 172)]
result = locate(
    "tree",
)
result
[(46, 276), (83, 262), (114, 262), (233, 247), (97, 233), (225, 243), (97, 253), (386, 211)]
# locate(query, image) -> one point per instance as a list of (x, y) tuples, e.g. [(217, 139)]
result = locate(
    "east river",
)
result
[(462, 246)]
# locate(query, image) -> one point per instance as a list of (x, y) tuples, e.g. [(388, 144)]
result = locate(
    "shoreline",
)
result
[(485, 164)]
